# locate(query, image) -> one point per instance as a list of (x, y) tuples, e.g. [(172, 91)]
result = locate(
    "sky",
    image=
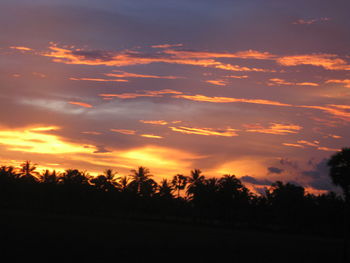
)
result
[(258, 89)]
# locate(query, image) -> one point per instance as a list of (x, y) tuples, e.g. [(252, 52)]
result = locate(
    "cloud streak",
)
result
[(228, 132)]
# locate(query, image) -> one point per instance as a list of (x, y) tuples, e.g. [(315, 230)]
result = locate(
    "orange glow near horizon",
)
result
[(35, 140)]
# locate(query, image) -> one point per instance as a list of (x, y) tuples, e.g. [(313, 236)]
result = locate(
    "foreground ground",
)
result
[(42, 236)]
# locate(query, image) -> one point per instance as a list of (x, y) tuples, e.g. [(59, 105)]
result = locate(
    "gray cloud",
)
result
[(275, 170), (256, 181)]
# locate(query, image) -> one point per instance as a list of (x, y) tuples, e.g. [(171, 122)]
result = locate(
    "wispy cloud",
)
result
[(279, 82), (21, 48), (167, 45), (130, 57), (228, 132), (159, 122), (313, 144), (338, 111), (293, 145), (81, 104), (247, 54), (100, 79), (204, 98), (91, 132), (311, 21), (218, 82), (148, 93), (327, 61), (152, 136), (274, 128), (123, 74), (237, 77), (346, 82), (124, 131)]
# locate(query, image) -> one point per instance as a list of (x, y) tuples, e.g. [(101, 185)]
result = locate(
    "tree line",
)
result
[(195, 198)]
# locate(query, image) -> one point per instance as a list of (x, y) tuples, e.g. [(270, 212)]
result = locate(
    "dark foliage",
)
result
[(224, 201)]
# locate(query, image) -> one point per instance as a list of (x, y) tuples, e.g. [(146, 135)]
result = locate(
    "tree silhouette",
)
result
[(105, 182), (195, 180), (74, 177), (232, 195), (48, 177), (213, 200), (165, 189), (141, 183), (340, 174), (179, 183), (340, 171), (123, 184), (28, 172)]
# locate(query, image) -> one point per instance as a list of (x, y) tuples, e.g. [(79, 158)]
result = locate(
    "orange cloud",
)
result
[(248, 54), (167, 45), (313, 144), (127, 95), (38, 74), (231, 67), (160, 122), (334, 136), (328, 149), (237, 77), (206, 131), (82, 104), (327, 61), (293, 145), (151, 136), (218, 82), (303, 143), (338, 111), (346, 82), (123, 131), (20, 48), (148, 93), (91, 132), (129, 57), (230, 99), (274, 128), (100, 80), (277, 81), (123, 74), (163, 91)]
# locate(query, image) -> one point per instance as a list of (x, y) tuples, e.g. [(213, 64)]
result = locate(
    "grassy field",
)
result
[(41, 236)]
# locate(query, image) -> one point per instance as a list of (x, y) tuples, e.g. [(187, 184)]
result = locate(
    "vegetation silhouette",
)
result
[(196, 199), (339, 165)]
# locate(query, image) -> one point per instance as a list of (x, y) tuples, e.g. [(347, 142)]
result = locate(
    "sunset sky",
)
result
[(259, 89)]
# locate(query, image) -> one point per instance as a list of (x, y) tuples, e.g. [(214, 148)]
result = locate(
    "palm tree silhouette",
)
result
[(8, 173), (105, 182), (179, 183), (123, 183), (28, 172), (141, 182), (74, 177), (195, 180), (165, 189), (48, 177)]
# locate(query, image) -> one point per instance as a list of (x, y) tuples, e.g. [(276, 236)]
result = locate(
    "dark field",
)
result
[(50, 237)]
